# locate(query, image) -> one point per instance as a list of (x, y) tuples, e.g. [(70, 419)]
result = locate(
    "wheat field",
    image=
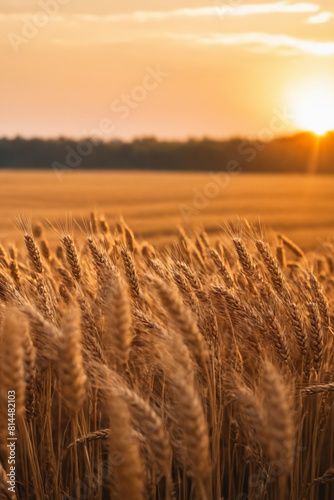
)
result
[(155, 203), (202, 370)]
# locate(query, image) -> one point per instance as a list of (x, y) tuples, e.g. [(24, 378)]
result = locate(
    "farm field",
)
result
[(199, 373), (154, 204)]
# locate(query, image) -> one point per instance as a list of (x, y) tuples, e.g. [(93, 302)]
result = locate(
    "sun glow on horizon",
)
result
[(313, 107)]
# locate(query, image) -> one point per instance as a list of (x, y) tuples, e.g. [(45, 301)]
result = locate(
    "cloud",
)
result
[(266, 40), (322, 17), (218, 8)]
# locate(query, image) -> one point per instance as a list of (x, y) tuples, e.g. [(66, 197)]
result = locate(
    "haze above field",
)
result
[(173, 69)]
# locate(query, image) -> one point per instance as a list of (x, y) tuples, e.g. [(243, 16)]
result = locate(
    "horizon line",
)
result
[(164, 139)]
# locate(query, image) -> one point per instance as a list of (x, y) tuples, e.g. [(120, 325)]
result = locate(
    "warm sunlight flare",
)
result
[(314, 109)]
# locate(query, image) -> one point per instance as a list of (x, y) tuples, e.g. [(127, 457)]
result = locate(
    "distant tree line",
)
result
[(300, 153)]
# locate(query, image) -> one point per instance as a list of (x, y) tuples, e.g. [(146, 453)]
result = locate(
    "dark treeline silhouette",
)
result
[(300, 153)]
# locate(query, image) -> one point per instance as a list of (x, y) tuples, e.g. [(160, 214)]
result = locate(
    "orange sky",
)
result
[(173, 69)]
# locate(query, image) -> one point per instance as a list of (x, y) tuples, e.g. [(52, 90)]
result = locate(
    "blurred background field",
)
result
[(154, 204)]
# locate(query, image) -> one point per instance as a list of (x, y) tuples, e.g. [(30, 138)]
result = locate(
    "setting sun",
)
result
[(313, 107)]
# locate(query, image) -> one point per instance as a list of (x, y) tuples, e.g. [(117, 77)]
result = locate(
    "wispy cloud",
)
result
[(322, 17), (218, 8), (221, 8), (266, 40), (254, 42)]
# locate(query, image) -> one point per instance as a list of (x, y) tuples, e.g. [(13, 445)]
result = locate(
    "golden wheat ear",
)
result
[(278, 432), (72, 257), (25, 225), (130, 272), (118, 334), (12, 366), (131, 464), (70, 364)]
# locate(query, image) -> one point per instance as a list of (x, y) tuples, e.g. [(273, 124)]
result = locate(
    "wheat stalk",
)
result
[(70, 364), (72, 257)]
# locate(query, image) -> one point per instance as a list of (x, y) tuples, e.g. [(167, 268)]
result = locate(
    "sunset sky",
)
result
[(174, 69)]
